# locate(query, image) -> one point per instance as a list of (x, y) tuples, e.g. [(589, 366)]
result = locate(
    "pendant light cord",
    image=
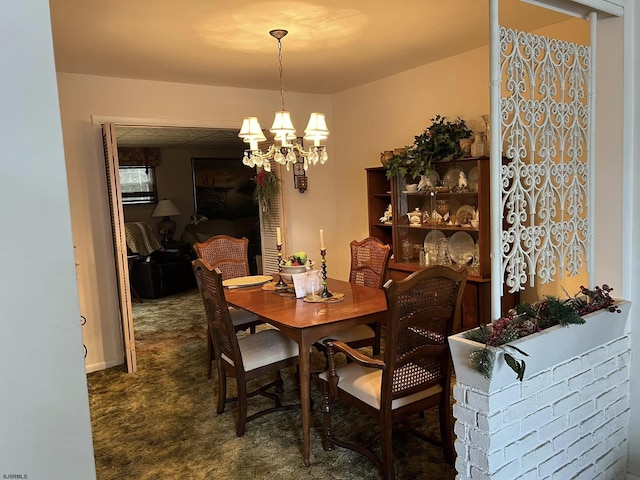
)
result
[(280, 64)]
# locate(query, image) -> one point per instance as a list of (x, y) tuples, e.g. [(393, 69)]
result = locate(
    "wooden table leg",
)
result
[(305, 395)]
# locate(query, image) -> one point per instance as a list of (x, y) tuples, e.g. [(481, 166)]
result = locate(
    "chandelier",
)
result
[(284, 151)]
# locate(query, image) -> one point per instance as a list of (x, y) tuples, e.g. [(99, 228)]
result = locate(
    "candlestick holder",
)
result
[(281, 285), (325, 291)]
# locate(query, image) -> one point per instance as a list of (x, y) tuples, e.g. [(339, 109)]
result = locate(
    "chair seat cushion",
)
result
[(265, 347), (365, 384), (241, 317), (359, 332)]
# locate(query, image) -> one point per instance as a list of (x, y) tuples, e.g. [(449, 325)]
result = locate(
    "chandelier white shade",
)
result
[(284, 151), (251, 132)]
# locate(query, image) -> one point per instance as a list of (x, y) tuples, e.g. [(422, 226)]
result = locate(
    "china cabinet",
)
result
[(445, 220), (379, 201)]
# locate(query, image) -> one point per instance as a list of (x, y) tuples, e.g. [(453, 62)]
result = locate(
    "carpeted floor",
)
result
[(160, 423)]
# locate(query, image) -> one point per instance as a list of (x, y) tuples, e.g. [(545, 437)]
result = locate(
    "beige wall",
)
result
[(133, 101), (174, 181), (388, 113), (366, 120)]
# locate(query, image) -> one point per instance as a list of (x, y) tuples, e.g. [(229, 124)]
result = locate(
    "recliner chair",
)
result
[(156, 273)]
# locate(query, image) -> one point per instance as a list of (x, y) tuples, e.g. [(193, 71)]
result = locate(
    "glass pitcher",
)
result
[(443, 252), (313, 284), (407, 250)]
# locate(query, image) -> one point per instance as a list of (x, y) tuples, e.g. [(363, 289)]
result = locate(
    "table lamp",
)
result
[(166, 226)]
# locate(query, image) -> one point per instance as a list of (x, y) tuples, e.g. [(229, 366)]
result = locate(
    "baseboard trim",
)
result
[(95, 367)]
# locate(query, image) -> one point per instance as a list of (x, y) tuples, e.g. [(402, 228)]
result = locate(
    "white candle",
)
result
[(278, 236), (321, 239)]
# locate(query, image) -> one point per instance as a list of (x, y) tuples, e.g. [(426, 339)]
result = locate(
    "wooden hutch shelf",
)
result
[(381, 192)]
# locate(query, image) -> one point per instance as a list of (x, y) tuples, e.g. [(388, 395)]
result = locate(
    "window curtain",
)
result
[(138, 156)]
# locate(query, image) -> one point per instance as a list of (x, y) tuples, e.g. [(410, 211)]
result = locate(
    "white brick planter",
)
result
[(568, 418)]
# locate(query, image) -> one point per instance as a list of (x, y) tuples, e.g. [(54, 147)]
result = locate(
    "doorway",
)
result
[(185, 142)]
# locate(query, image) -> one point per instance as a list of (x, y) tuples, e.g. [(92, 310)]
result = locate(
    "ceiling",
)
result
[(332, 45), (176, 137)]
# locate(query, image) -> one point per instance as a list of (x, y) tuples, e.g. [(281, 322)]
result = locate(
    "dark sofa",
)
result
[(162, 273), (155, 272)]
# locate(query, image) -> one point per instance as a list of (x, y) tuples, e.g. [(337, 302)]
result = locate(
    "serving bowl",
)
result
[(287, 271)]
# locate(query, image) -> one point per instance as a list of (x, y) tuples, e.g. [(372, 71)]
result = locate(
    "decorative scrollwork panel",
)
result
[(545, 112)]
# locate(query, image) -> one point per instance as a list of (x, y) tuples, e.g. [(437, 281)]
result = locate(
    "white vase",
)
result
[(478, 146)]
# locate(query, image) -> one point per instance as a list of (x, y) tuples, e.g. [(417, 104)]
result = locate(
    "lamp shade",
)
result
[(251, 130), (316, 128), (165, 208), (283, 128)]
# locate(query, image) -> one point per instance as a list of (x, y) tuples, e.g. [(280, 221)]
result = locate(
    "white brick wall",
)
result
[(567, 422)]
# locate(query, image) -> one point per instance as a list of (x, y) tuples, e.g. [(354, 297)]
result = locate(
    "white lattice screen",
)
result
[(545, 126)]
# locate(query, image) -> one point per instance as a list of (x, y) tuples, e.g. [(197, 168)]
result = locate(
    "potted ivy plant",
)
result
[(439, 141)]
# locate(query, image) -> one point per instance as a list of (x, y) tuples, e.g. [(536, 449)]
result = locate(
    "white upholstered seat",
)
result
[(263, 348), (246, 358), (414, 374)]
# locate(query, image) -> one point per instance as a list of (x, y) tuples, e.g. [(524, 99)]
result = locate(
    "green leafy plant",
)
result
[(527, 319), (439, 141), (267, 189)]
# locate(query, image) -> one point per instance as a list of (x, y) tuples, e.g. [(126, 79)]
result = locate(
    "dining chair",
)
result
[(228, 254), (241, 319), (246, 358), (369, 262), (414, 374)]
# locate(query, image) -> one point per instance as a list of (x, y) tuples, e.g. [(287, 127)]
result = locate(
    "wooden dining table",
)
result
[(307, 322)]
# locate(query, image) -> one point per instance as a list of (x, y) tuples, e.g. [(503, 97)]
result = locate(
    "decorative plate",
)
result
[(431, 239), (465, 214), (434, 177), (249, 281), (450, 178), (461, 248), (472, 179)]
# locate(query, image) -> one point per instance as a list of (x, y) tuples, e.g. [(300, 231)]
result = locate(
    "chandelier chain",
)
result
[(287, 153), (281, 81)]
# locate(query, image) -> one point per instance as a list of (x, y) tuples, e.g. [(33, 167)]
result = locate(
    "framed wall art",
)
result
[(223, 188)]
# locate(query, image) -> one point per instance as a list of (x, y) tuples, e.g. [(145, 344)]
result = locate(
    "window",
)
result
[(138, 185)]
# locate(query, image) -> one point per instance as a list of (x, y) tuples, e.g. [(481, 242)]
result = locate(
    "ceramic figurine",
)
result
[(415, 217), (425, 183), (386, 216), (462, 180), (463, 184), (475, 221)]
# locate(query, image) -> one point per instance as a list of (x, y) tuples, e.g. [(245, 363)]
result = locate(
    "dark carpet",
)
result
[(161, 423)]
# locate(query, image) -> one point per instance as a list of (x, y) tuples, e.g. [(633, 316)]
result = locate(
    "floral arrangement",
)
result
[(527, 319), (439, 141), (267, 189)]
